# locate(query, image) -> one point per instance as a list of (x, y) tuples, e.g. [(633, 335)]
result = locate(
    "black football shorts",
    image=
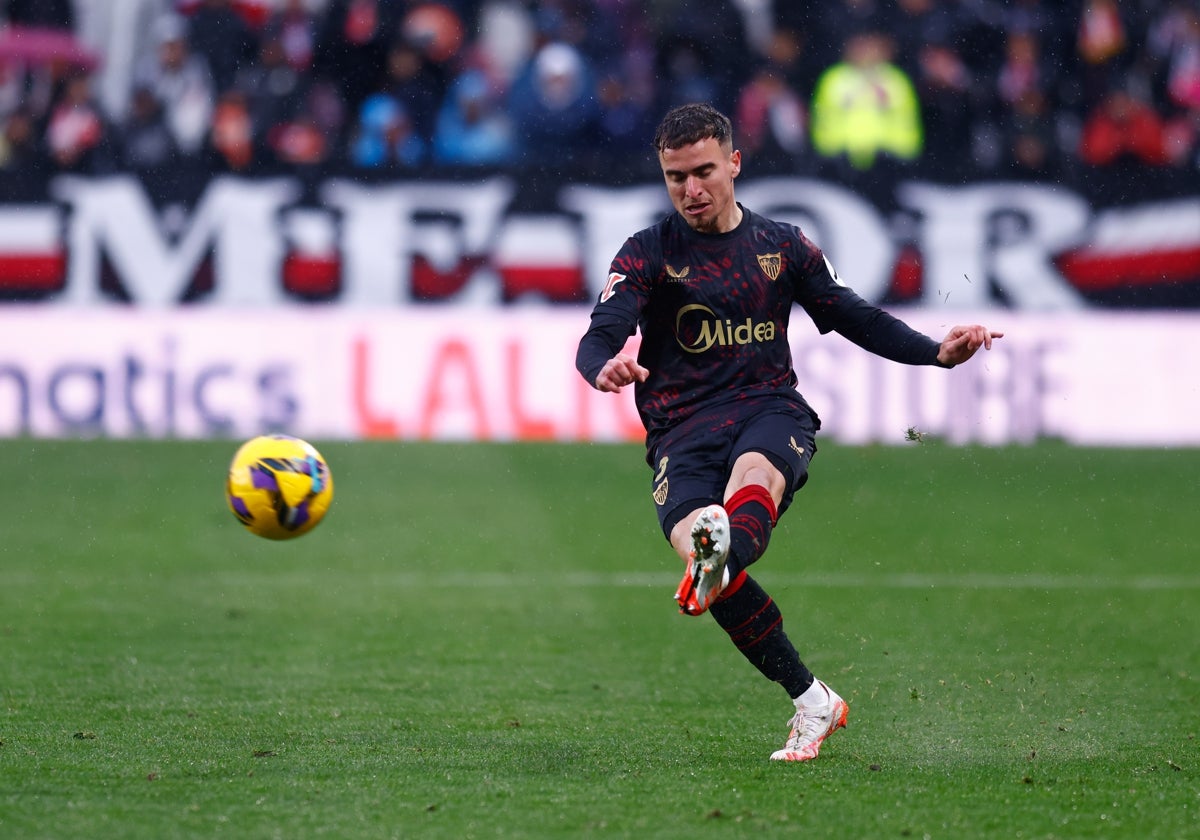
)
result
[(691, 463)]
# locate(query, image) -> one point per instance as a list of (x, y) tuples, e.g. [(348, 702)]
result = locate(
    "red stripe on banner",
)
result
[(311, 275), (559, 283), (32, 272), (1104, 271), (907, 274)]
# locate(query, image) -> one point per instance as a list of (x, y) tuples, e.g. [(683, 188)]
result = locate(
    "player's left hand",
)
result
[(961, 343)]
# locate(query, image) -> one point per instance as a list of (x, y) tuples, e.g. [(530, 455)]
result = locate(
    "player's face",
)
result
[(700, 182)]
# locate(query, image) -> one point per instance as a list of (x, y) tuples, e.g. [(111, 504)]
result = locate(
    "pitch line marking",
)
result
[(642, 579), (832, 581)]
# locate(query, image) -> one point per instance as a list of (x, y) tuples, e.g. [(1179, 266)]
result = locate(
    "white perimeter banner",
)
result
[(463, 373)]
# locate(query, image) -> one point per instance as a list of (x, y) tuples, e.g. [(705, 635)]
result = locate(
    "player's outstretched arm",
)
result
[(961, 343), (619, 371)]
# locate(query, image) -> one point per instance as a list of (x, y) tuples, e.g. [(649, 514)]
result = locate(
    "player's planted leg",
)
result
[(819, 713), (755, 626)]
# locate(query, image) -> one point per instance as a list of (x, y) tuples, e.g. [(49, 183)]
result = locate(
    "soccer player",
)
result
[(728, 436)]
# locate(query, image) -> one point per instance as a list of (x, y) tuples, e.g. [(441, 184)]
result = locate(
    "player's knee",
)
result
[(752, 469)]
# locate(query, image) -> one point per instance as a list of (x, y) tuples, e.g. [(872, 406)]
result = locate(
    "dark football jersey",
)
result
[(713, 310)]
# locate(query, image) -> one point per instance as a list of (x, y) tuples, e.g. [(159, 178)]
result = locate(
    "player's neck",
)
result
[(729, 223), (735, 218)]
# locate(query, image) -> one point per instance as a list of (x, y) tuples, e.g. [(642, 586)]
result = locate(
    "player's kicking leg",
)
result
[(705, 575)]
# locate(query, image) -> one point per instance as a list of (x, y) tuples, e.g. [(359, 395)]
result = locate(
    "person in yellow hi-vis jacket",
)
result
[(864, 106)]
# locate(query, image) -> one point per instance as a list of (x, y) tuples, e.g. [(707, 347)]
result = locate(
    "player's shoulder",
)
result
[(664, 227), (649, 237), (769, 235), (764, 227)]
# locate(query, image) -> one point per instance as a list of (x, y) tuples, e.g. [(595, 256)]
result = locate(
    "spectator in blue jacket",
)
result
[(384, 136), (472, 127), (554, 107)]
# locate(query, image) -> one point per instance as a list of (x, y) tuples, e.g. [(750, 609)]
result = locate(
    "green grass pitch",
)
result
[(480, 641)]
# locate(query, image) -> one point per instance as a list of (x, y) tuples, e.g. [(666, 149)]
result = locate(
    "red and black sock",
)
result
[(752, 515), (755, 626)]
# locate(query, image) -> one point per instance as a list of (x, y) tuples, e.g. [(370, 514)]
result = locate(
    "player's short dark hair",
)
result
[(687, 124)]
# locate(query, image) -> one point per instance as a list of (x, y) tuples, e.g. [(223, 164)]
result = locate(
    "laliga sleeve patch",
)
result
[(610, 287)]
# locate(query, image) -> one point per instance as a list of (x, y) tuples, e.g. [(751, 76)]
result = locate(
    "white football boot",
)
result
[(811, 725)]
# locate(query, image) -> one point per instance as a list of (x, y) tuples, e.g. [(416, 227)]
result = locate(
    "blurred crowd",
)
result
[(944, 89)]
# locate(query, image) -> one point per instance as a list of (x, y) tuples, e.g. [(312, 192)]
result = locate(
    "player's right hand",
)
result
[(619, 371)]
